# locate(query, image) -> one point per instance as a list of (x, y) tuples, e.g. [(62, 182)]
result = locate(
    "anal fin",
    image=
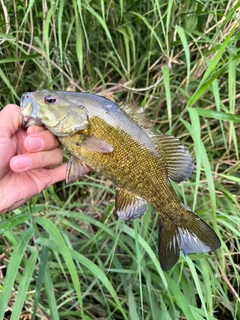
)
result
[(129, 206), (76, 169)]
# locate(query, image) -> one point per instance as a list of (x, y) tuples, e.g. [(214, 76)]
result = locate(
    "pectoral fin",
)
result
[(129, 206), (95, 144), (177, 157), (75, 169)]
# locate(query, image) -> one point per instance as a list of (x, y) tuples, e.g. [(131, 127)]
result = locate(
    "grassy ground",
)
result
[(65, 255)]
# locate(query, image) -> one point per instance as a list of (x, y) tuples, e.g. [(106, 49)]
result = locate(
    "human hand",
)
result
[(28, 160)]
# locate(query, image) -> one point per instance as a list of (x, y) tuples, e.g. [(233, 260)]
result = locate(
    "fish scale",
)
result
[(119, 166), (119, 143)]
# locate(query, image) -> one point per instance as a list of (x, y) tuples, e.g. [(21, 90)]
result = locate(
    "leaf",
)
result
[(12, 269)]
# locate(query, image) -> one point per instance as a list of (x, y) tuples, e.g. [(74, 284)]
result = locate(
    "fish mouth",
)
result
[(29, 110), (30, 121)]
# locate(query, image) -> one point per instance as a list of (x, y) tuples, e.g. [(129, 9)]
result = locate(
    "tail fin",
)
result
[(194, 236)]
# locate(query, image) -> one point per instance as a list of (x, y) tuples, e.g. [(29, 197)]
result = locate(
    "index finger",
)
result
[(11, 119)]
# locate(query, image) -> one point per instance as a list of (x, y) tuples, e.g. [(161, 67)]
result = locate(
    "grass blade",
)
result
[(50, 294), (211, 69), (68, 255), (39, 282), (12, 269), (23, 286)]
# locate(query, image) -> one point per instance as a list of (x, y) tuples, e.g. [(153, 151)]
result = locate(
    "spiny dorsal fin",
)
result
[(137, 114), (177, 157)]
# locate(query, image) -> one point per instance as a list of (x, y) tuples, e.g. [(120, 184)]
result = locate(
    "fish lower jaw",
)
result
[(30, 121)]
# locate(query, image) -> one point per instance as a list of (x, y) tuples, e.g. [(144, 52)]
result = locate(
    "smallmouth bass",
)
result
[(119, 143)]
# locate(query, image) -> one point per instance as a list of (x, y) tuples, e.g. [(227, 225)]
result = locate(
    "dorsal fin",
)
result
[(177, 157), (137, 114)]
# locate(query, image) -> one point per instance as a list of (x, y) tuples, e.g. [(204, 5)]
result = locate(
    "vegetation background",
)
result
[(65, 255)]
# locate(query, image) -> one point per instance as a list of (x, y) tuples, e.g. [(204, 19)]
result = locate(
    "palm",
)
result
[(17, 186)]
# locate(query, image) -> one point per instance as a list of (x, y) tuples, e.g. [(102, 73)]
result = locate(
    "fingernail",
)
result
[(22, 162), (35, 143)]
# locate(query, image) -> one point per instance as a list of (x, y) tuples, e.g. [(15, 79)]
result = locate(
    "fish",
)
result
[(119, 142)]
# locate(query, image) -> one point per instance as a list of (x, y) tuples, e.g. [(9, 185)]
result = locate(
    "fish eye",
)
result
[(50, 99)]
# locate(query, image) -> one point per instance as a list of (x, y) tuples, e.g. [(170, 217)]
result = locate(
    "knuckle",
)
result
[(50, 140)]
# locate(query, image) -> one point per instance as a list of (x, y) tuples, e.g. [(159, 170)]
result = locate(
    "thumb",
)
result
[(10, 120)]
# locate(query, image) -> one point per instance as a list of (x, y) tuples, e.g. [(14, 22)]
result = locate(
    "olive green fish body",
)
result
[(120, 144), (134, 166)]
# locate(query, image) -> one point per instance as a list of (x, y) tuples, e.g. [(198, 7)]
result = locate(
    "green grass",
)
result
[(65, 254)]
